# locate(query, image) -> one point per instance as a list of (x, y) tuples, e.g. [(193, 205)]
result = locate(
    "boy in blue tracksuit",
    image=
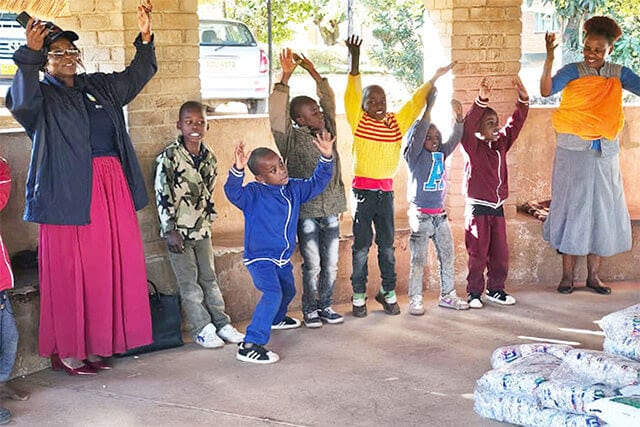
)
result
[(271, 207)]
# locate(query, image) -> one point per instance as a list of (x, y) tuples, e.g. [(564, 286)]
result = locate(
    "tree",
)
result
[(397, 25), (327, 15)]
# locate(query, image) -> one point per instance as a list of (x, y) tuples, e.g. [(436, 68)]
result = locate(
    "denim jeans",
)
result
[(8, 338), (199, 291), (373, 207), (278, 289), (319, 241), (434, 227)]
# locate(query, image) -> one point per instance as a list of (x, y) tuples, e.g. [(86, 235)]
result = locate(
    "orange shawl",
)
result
[(591, 108)]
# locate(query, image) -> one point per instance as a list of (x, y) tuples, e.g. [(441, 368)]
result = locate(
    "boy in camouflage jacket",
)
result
[(186, 173)]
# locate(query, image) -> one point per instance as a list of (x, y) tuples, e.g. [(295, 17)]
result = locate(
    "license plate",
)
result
[(221, 64), (8, 69)]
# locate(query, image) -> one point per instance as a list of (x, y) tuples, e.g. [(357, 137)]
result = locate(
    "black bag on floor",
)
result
[(166, 323)]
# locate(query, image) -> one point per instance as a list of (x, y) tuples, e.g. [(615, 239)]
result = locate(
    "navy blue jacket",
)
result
[(271, 211), (58, 188)]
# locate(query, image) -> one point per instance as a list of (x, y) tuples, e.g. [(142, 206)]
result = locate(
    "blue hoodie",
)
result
[(427, 182), (271, 211)]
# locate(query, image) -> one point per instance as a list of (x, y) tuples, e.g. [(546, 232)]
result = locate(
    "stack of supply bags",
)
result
[(551, 385), (622, 332)]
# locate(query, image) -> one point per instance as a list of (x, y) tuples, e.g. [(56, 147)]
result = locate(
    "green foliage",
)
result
[(327, 15), (398, 27)]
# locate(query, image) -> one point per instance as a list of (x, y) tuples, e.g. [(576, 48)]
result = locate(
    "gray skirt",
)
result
[(588, 213)]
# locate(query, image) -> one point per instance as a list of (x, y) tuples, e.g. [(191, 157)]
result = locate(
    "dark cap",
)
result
[(55, 35)]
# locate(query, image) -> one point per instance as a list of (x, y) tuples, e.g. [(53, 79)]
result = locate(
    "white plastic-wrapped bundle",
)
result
[(505, 355), (599, 367), (520, 377), (623, 346), (526, 412), (617, 411), (622, 324), (571, 395)]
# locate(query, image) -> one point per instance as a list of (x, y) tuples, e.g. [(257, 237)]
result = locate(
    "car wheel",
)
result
[(256, 106)]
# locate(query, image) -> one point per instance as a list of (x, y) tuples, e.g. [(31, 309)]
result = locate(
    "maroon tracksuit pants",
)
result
[(485, 237)]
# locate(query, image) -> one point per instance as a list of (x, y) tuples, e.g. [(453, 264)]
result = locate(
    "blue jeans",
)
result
[(8, 338), (319, 241), (278, 289), (373, 207)]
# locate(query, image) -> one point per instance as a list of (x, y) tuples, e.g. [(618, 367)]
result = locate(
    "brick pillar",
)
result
[(107, 29), (484, 37)]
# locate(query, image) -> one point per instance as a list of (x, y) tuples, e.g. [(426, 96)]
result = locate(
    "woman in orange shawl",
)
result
[(588, 214)]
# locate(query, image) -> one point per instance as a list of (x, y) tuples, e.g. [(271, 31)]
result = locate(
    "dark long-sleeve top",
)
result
[(486, 181), (59, 181), (271, 212)]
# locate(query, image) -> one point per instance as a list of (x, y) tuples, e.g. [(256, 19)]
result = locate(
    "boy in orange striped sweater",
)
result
[(377, 138)]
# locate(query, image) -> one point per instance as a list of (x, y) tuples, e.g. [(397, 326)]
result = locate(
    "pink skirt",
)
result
[(93, 283)]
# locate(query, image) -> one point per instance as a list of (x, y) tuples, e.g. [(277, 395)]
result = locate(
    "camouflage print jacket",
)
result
[(296, 146), (184, 194)]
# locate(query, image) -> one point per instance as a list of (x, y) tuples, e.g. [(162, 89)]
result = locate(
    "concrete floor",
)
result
[(381, 370)]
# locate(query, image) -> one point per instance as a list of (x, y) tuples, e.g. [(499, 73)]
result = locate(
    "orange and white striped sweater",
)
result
[(377, 144)]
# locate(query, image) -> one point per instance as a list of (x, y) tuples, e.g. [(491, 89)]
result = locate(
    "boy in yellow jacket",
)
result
[(377, 139)]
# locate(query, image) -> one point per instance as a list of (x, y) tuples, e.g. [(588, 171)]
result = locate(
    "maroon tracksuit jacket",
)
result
[(486, 185)]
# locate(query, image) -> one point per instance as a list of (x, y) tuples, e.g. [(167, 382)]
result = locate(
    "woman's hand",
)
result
[(324, 142), (550, 42), (36, 33), (175, 243), (144, 20), (240, 156)]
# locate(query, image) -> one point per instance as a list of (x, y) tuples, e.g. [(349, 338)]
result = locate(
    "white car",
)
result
[(232, 65)]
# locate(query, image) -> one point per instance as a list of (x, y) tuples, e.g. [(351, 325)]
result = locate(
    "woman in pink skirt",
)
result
[(84, 186)]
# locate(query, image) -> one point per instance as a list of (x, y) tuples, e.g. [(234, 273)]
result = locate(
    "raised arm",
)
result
[(24, 97), (233, 189), (312, 187), (516, 121), (353, 92), (131, 81), (474, 115), (410, 110), (279, 118), (545, 79), (418, 131), (323, 90), (456, 135)]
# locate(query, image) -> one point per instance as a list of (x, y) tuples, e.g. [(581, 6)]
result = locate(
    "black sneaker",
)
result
[(500, 297), (255, 353), (390, 308), (312, 320), (330, 316), (287, 323), (360, 310)]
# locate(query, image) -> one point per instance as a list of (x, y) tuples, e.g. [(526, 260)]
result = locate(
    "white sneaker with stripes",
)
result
[(255, 353)]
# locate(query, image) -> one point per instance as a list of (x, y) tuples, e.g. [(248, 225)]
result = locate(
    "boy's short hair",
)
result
[(365, 93), (191, 105), (488, 110), (431, 125), (296, 103), (255, 157)]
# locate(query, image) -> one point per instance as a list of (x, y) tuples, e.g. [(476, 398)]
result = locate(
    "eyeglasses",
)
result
[(67, 52)]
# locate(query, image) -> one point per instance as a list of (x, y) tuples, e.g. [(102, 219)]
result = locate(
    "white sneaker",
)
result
[(231, 334), (475, 301), (415, 305), (208, 338), (452, 300)]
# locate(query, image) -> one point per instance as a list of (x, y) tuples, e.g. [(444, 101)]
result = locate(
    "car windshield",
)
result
[(216, 33)]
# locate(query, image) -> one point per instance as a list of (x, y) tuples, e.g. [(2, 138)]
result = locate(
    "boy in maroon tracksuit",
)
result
[(486, 188)]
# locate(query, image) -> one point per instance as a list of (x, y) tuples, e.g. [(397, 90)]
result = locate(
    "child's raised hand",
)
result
[(431, 97), (353, 44), (287, 61), (520, 89), (485, 88), (456, 107), (303, 61), (550, 42), (442, 71), (324, 142), (240, 156)]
